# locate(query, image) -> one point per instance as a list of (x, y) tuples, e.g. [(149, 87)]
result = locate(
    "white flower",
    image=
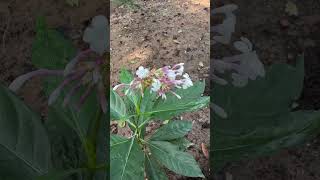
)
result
[(97, 34), (163, 96), (186, 81), (180, 69), (156, 85), (171, 75), (177, 95), (142, 72)]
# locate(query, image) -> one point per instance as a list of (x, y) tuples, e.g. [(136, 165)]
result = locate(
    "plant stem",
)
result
[(92, 143)]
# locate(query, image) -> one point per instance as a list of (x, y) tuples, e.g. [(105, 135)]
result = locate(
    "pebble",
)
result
[(201, 64)]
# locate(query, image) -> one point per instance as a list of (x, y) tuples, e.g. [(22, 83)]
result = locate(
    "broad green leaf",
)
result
[(260, 120), (78, 120), (50, 49), (60, 175), (182, 143), (146, 105), (177, 161), (117, 107), (191, 100), (125, 76), (172, 130), (153, 169), (103, 148), (73, 2), (70, 154), (127, 159), (24, 144)]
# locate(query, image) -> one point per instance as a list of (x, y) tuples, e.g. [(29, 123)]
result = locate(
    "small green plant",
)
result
[(154, 95)]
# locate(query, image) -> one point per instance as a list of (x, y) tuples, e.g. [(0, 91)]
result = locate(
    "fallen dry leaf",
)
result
[(176, 41), (205, 150)]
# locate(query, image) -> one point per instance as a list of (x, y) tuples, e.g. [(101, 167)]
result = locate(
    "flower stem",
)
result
[(92, 143)]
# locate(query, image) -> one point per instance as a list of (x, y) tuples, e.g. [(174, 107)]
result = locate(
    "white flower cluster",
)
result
[(244, 66), (162, 81)]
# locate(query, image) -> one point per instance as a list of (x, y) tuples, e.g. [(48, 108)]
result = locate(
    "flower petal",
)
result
[(19, 81)]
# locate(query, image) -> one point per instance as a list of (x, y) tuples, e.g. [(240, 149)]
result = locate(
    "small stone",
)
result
[(201, 64), (176, 41)]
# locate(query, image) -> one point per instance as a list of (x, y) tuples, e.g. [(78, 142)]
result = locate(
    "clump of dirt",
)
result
[(278, 38), (160, 33)]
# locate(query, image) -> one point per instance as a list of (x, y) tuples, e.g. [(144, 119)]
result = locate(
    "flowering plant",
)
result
[(263, 116), (160, 81), (35, 148), (156, 94)]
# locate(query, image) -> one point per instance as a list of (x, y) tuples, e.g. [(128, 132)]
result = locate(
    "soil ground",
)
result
[(165, 32), (277, 38)]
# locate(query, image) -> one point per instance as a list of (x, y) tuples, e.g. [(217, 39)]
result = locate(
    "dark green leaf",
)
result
[(172, 130), (117, 107), (153, 169), (125, 76), (177, 161), (59, 175), (103, 148), (146, 106), (182, 143), (24, 144), (191, 100), (127, 159), (50, 49), (260, 120), (78, 120)]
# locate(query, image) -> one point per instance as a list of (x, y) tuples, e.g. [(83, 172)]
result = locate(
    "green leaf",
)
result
[(117, 107), (191, 100), (60, 175), (146, 105), (125, 76), (127, 159), (172, 130), (103, 148), (153, 169), (260, 121), (182, 143), (78, 120), (65, 143), (180, 162), (24, 144), (73, 2), (50, 49)]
